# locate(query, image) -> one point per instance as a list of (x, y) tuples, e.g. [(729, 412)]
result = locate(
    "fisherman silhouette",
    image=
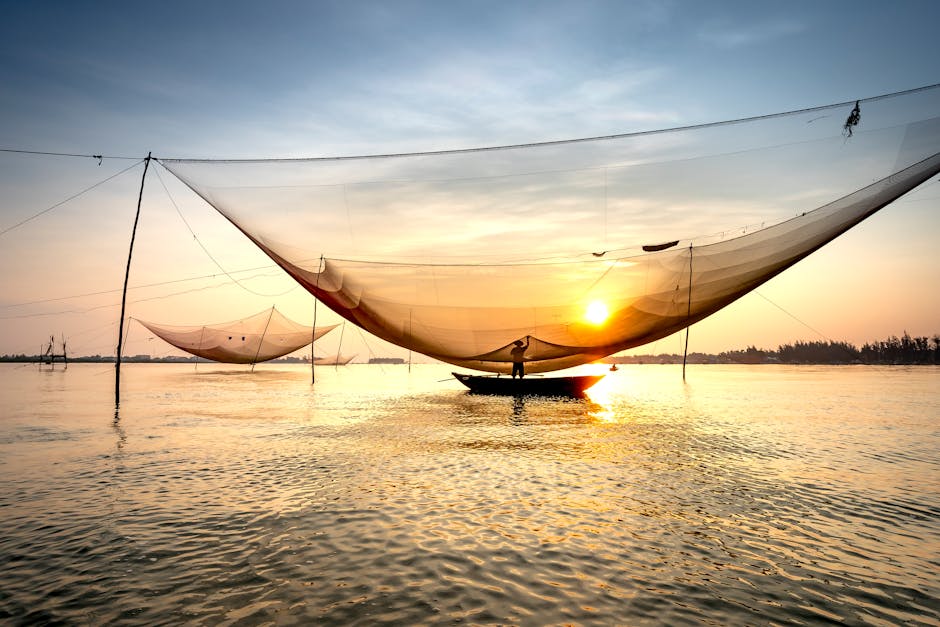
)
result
[(518, 357)]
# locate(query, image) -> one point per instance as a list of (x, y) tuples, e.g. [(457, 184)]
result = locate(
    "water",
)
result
[(751, 495)]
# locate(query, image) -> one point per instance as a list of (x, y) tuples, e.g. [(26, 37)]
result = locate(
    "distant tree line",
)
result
[(894, 350)]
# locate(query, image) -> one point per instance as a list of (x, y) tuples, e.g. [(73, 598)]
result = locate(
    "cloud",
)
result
[(475, 98), (728, 35)]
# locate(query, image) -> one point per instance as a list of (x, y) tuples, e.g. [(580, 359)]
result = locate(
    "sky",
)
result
[(289, 79)]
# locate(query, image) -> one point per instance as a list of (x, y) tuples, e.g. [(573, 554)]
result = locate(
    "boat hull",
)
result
[(573, 387)]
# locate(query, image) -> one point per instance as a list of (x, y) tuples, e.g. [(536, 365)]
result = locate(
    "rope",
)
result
[(202, 334), (141, 300), (365, 341), (144, 286), (816, 331), (261, 341), (561, 142), (124, 344), (494, 148), (100, 158), (340, 347), (208, 254), (62, 202)]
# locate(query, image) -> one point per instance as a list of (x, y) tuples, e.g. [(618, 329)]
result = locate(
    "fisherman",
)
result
[(518, 357)]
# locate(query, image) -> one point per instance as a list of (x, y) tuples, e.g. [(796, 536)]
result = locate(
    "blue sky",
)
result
[(239, 79), (217, 78)]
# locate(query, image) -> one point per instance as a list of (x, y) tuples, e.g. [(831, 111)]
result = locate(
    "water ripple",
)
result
[(216, 507)]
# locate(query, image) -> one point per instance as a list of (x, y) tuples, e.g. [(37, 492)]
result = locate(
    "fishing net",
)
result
[(583, 247), (263, 336)]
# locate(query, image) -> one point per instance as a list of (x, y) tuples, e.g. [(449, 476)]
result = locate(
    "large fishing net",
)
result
[(579, 248), (261, 337)]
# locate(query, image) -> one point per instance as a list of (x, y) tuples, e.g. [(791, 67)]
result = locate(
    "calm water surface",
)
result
[(748, 496)]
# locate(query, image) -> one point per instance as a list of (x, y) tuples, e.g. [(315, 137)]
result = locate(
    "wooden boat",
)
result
[(528, 386), (336, 360)]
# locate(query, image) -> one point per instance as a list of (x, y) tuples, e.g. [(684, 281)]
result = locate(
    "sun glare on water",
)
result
[(596, 312)]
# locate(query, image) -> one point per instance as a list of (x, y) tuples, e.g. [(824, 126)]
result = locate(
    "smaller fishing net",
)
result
[(261, 337)]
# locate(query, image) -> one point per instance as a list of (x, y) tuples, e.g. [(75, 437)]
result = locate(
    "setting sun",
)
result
[(596, 312)]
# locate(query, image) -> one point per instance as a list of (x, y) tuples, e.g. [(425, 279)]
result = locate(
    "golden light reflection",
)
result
[(600, 412), (601, 407), (596, 313)]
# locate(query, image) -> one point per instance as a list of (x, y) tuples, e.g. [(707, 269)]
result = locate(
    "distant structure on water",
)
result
[(48, 356)]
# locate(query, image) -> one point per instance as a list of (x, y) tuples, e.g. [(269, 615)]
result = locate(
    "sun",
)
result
[(596, 312)]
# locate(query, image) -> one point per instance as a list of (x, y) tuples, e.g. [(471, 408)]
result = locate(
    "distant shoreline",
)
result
[(145, 359), (894, 351), (698, 359)]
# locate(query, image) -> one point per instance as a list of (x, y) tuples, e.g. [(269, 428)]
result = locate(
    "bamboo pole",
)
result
[(688, 315), (263, 333), (127, 274), (340, 347), (313, 332)]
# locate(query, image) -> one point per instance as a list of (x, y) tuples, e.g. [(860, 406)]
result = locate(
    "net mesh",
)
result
[(261, 337), (585, 247)]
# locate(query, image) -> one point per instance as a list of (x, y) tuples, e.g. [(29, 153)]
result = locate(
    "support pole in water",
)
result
[(313, 332), (340, 347), (261, 341), (688, 314), (127, 274)]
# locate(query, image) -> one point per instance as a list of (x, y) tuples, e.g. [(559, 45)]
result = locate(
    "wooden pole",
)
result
[(263, 333), (688, 314), (313, 332), (127, 274), (340, 347)]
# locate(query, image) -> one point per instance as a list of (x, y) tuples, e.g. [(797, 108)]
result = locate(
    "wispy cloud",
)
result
[(473, 98), (727, 34)]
